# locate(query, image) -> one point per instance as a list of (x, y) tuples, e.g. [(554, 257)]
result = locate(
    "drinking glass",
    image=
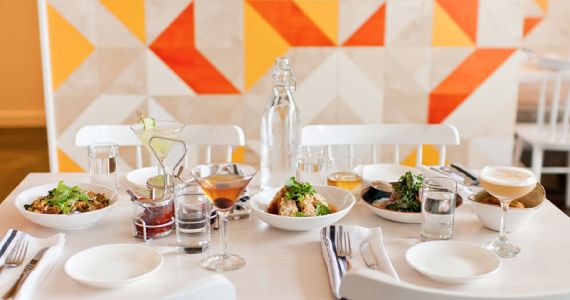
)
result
[(310, 164), (103, 164), (438, 197), (345, 172), (193, 211), (507, 184), (223, 184)]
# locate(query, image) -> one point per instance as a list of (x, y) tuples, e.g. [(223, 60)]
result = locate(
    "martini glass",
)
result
[(507, 184), (223, 184), (169, 129)]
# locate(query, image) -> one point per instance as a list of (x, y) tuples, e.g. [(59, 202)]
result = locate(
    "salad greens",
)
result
[(322, 210), (297, 190), (406, 193), (64, 197)]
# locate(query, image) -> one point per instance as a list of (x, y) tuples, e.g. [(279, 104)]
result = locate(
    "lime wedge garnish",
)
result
[(148, 123)]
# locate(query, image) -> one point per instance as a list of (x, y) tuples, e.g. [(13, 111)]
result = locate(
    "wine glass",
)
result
[(507, 184), (168, 129), (223, 184)]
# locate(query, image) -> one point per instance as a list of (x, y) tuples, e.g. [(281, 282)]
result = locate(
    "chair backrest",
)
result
[(560, 74), (384, 134), (361, 284), (228, 136)]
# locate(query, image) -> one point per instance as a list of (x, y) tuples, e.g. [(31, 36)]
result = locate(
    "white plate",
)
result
[(385, 172), (139, 177), (396, 216), (343, 200), (114, 265), (65, 222), (452, 262)]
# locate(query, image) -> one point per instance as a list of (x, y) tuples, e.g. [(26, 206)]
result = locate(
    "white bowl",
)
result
[(396, 216), (65, 222), (490, 214), (452, 262), (114, 265), (385, 172), (139, 176), (343, 200)]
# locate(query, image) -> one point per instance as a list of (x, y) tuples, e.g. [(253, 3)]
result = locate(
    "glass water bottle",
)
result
[(280, 128)]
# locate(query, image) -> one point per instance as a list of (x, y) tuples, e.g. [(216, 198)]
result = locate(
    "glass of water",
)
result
[(310, 164), (438, 207), (103, 164), (193, 215)]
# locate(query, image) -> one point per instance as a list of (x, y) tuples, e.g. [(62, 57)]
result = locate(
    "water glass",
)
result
[(438, 207), (345, 172), (103, 164), (193, 211), (310, 164)]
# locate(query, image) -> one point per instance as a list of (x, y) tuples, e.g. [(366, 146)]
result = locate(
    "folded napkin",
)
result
[(337, 267), (10, 275)]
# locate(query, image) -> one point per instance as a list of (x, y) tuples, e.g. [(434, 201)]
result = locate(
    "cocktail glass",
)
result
[(507, 184), (169, 129), (223, 184)]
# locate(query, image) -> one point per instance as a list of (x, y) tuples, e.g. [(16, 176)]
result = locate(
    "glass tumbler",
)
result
[(345, 172), (310, 164), (193, 214), (103, 164), (438, 207)]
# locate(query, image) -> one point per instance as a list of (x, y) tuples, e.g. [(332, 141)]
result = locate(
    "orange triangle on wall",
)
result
[(66, 164), (530, 23), (372, 31)]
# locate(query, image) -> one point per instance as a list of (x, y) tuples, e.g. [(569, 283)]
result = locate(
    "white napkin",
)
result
[(10, 275), (337, 266)]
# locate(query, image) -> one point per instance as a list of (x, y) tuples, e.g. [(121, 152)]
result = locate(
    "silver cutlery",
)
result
[(464, 172), (343, 248), (9, 240), (13, 291), (16, 255), (367, 256)]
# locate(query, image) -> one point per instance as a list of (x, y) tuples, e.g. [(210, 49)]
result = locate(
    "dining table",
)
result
[(289, 265)]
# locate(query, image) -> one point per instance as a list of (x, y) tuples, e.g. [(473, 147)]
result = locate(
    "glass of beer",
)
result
[(345, 172), (223, 184), (507, 184)]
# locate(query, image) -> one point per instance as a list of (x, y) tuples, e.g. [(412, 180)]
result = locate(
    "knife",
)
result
[(369, 260), (11, 293), (13, 233), (462, 170)]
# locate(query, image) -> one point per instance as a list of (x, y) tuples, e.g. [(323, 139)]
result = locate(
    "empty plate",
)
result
[(452, 262), (113, 265)]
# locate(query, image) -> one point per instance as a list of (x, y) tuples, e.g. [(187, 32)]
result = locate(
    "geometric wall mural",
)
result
[(368, 61)]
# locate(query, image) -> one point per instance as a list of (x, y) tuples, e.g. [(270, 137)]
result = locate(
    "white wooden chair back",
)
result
[(228, 136), (384, 134), (364, 284), (555, 130)]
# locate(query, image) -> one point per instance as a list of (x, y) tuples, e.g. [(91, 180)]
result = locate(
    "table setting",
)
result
[(308, 223)]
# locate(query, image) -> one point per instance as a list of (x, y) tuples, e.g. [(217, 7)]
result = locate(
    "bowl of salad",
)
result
[(300, 206), (66, 206), (398, 201)]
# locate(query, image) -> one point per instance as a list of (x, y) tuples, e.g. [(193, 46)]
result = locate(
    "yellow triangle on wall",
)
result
[(130, 13), (324, 14), (445, 31), (430, 157), (66, 164), (543, 4), (238, 154), (262, 45), (68, 47)]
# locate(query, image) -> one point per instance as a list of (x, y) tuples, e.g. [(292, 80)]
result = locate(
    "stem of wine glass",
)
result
[(505, 203), (223, 220)]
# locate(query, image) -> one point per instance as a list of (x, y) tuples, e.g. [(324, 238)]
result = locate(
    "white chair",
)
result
[(364, 284), (384, 134), (552, 135), (228, 136)]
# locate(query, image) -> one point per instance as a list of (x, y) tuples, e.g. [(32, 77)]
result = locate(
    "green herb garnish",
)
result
[(322, 210), (300, 214), (64, 197), (407, 189), (297, 190)]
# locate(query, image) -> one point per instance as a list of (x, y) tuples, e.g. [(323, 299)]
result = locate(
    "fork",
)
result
[(343, 248), (16, 255)]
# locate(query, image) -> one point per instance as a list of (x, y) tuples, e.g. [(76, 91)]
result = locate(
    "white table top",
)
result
[(289, 265)]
